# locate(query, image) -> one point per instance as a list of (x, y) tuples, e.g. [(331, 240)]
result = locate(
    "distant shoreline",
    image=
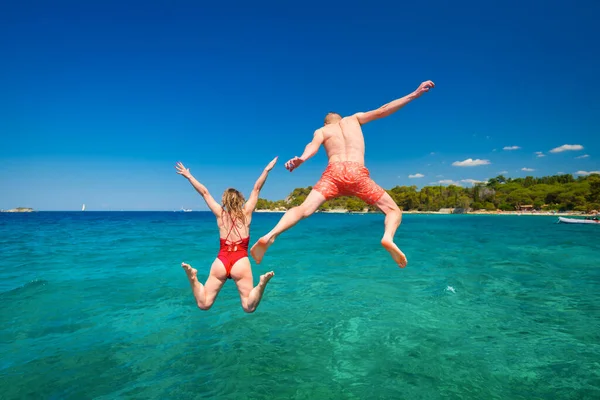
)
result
[(517, 213), (335, 211)]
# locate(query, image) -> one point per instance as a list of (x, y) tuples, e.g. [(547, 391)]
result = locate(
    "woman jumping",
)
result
[(233, 219)]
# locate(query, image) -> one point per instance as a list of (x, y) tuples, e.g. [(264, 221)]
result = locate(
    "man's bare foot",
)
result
[(191, 272), (395, 252), (260, 248), (264, 279)]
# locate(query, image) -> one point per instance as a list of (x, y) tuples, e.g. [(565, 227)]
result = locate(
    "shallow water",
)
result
[(96, 305)]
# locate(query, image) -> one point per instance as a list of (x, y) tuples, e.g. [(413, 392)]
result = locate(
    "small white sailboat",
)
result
[(83, 207), (186, 209)]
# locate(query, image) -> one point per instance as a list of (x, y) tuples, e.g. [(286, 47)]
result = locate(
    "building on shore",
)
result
[(525, 207)]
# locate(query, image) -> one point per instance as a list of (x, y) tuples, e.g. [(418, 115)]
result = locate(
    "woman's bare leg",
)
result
[(242, 276), (206, 294)]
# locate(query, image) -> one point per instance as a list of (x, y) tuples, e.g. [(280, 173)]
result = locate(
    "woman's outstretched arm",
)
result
[(200, 188)]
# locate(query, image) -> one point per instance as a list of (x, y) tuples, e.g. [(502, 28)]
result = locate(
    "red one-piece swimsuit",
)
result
[(232, 252)]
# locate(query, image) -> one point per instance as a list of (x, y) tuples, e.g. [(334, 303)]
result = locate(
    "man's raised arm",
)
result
[(393, 106), (310, 150)]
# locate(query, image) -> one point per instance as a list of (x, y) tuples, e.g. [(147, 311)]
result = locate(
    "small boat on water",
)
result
[(564, 220)]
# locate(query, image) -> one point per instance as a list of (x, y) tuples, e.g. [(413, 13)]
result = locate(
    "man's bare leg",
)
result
[(393, 217), (205, 295), (242, 275), (290, 218)]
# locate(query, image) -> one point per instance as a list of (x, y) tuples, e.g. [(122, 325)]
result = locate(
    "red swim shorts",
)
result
[(348, 178)]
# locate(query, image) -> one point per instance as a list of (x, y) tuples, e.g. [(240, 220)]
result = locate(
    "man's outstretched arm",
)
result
[(310, 150), (393, 106)]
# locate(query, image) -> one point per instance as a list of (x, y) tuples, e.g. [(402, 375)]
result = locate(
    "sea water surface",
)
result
[(95, 305)]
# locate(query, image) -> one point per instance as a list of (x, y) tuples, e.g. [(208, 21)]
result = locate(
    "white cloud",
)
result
[(567, 147), (586, 172), (469, 162), (417, 175), (540, 154), (511, 148), (583, 156), (448, 182), (472, 181), (503, 172), (527, 169)]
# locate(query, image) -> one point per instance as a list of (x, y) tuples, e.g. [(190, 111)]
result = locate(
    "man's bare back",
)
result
[(345, 174), (344, 141)]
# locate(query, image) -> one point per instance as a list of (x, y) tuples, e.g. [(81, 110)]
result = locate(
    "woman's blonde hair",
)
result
[(233, 202)]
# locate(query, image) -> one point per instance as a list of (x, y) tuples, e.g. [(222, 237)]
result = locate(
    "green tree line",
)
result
[(558, 192)]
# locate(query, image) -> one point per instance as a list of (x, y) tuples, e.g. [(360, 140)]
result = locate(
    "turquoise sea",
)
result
[(95, 305)]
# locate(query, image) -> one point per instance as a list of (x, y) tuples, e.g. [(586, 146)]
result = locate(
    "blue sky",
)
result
[(99, 100)]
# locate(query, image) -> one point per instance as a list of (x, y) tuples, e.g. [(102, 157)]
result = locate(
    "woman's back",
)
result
[(233, 228), (234, 221)]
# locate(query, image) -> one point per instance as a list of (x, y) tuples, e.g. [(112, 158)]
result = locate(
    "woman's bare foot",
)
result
[(264, 279), (191, 272), (395, 252)]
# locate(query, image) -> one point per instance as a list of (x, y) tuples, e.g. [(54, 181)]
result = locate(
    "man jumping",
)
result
[(345, 175)]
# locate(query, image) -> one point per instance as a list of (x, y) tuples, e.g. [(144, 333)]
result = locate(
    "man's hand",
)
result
[(270, 166), (424, 87), (293, 163), (181, 170)]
